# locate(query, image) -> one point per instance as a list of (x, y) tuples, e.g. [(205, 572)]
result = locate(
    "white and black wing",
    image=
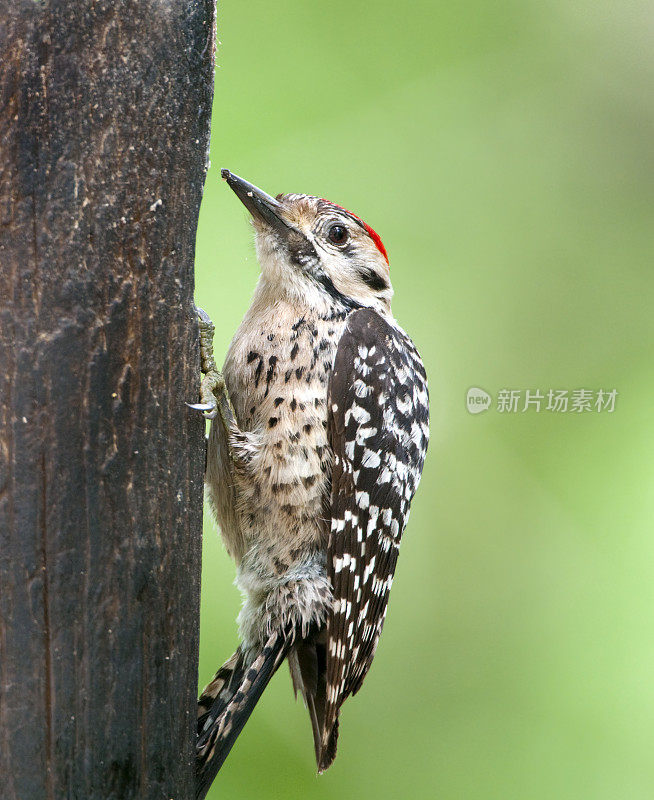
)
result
[(378, 414)]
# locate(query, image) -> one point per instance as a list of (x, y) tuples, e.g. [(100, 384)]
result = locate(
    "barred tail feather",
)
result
[(227, 702), (308, 664), (328, 747)]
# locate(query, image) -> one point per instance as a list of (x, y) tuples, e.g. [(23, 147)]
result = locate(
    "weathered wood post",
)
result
[(104, 126)]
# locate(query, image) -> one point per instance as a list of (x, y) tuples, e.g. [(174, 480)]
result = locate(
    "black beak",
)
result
[(261, 205)]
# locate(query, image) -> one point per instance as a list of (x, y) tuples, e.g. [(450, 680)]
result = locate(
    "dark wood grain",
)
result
[(104, 126)]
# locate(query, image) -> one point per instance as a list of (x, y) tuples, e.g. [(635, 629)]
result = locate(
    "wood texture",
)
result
[(104, 125)]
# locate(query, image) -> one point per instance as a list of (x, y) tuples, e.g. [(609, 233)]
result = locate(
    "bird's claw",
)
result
[(209, 410), (211, 390)]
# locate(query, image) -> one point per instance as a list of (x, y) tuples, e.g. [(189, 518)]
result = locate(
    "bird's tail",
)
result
[(227, 702), (308, 664)]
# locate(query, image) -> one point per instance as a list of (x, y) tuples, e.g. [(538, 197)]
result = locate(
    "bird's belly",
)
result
[(281, 496), (272, 510)]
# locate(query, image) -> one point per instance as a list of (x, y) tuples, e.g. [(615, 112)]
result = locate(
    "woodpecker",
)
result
[(318, 439)]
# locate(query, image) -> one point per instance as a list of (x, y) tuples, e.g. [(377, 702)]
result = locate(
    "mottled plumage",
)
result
[(312, 477), (378, 414)]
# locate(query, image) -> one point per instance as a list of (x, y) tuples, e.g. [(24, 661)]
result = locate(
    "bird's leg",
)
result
[(214, 399)]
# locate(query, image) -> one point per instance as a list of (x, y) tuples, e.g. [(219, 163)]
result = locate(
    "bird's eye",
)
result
[(338, 234)]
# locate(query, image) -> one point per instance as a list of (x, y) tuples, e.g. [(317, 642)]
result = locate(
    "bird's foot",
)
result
[(211, 388), (213, 392)]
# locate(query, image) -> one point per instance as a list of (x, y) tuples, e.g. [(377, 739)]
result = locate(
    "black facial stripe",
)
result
[(326, 282), (301, 251), (303, 254), (373, 280)]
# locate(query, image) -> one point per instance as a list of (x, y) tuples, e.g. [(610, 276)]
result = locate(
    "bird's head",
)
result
[(311, 249)]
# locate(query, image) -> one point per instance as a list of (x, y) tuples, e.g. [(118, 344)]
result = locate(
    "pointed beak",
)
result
[(261, 205)]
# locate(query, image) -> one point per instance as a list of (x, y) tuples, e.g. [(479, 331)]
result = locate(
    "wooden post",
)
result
[(104, 127)]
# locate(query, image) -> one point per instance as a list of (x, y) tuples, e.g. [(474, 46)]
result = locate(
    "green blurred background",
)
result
[(504, 152)]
